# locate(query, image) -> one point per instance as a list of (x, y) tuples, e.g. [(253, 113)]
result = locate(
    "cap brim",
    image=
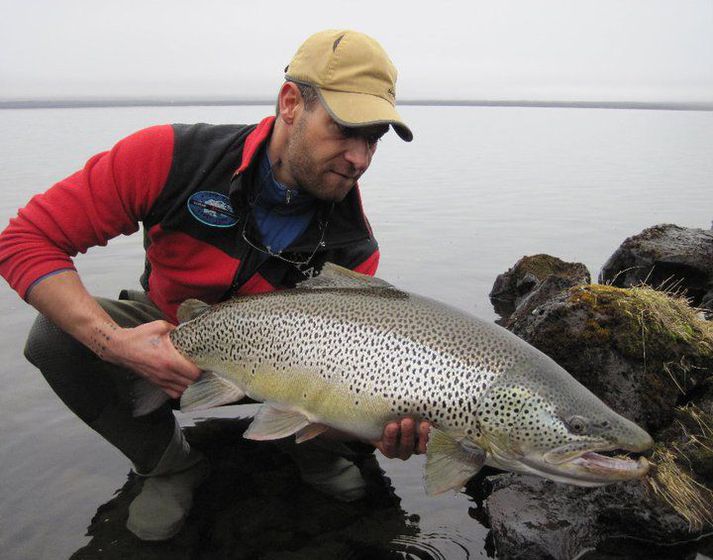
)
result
[(363, 109)]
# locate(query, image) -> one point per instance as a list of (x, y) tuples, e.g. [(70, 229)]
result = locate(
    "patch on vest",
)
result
[(212, 209)]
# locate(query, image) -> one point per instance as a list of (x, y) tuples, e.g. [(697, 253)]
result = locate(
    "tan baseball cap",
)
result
[(354, 77)]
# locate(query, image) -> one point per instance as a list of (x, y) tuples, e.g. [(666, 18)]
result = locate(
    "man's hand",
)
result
[(145, 349), (148, 351), (404, 438)]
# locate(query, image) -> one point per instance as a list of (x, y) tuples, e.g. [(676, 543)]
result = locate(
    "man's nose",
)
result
[(358, 153)]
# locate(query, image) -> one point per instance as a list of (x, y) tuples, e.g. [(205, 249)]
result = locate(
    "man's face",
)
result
[(325, 159)]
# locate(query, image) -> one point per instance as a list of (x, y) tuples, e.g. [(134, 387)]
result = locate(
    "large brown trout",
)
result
[(353, 352)]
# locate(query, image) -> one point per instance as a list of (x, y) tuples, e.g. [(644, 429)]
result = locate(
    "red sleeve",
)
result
[(109, 197)]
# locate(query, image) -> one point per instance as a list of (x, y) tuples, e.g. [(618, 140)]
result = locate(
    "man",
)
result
[(227, 211)]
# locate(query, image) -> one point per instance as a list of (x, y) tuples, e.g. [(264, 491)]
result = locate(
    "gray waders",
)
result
[(100, 393)]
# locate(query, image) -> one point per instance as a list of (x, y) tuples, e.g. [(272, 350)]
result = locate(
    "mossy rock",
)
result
[(646, 324), (524, 282), (666, 257), (649, 356), (641, 351)]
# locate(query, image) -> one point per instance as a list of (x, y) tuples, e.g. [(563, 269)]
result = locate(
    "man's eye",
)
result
[(372, 139), (345, 132)]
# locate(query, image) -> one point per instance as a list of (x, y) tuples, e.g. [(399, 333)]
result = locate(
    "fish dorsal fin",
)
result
[(449, 463), (190, 309), (335, 276)]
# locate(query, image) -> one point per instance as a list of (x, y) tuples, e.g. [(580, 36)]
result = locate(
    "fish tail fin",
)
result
[(146, 397), (209, 391)]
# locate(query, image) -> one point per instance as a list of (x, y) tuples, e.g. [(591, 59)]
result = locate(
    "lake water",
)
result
[(477, 189)]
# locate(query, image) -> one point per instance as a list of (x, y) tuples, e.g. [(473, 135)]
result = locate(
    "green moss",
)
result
[(695, 445), (541, 266), (595, 332), (659, 329), (682, 467), (673, 484)]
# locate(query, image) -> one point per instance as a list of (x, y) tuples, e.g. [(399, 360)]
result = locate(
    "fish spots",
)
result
[(419, 357)]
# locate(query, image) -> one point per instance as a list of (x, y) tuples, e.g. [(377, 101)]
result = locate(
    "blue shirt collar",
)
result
[(273, 193)]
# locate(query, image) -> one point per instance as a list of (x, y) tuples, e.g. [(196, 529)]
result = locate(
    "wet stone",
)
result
[(648, 356), (666, 257), (533, 280), (537, 519)]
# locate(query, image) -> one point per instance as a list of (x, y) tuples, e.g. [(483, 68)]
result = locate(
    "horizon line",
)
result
[(107, 102)]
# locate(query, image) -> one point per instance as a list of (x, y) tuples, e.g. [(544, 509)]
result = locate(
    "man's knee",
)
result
[(47, 342)]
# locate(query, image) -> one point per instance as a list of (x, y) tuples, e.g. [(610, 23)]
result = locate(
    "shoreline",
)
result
[(81, 103)]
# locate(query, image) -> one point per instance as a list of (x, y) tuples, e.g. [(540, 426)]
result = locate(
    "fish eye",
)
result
[(577, 424)]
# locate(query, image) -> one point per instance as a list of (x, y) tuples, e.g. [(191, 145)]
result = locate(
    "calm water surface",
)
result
[(478, 189)]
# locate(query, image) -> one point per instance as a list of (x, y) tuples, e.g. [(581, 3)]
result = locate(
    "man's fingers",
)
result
[(173, 393), (404, 438), (185, 378), (181, 365), (169, 377), (389, 441), (423, 429), (406, 443)]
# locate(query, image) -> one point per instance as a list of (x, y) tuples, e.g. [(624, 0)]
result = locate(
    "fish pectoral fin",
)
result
[(190, 309), (209, 391), (449, 464), (273, 423), (309, 432)]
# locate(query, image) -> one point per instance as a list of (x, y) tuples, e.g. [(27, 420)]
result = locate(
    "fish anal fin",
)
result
[(274, 423), (209, 391), (309, 432), (449, 464), (190, 309)]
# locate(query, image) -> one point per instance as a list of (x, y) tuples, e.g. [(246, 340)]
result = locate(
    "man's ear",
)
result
[(289, 102)]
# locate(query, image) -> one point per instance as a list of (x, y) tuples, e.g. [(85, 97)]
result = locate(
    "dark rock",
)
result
[(666, 257), (650, 357), (254, 506), (533, 280), (629, 347), (536, 519)]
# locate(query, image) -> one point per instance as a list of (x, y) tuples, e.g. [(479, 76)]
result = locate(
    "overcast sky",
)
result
[(648, 50)]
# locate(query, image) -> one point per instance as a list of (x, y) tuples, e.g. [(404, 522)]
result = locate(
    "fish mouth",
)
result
[(596, 464), (614, 466), (596, 467)]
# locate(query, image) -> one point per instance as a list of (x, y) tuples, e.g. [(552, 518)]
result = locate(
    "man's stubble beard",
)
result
[(303, 168)]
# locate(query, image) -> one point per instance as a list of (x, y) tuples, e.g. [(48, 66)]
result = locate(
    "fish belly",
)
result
[(321, 401)]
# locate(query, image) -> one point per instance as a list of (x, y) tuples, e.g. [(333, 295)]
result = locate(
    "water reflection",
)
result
[(254, 506)]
